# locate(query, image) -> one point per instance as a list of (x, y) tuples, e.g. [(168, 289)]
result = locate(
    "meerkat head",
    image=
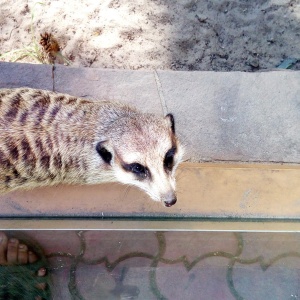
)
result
[(143, 150)]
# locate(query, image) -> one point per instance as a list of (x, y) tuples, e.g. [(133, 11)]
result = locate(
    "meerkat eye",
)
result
[(137, 169), (169, 159)]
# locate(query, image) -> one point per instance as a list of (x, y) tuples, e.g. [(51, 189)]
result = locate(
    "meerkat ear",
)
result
[(170, 117), (103, 151)]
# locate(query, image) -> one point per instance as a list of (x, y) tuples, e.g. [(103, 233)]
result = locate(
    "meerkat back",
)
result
[(48, 138)]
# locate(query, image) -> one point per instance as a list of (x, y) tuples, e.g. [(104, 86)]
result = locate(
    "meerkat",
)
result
[(47, 138)]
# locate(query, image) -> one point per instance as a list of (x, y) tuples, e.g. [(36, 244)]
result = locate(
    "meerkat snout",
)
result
[(48, 138)]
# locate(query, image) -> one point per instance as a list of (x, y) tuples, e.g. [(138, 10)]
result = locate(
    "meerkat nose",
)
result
[(171, 202)]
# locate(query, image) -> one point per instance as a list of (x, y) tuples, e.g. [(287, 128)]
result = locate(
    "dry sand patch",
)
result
[(218, 35)]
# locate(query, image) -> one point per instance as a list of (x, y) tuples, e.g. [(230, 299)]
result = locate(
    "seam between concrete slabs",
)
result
[(53, 78), (160, 93)]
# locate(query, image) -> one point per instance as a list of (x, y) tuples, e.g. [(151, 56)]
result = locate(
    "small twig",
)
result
[(11, 33)]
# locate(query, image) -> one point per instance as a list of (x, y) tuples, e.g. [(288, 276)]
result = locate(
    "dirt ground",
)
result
[(220, 35)]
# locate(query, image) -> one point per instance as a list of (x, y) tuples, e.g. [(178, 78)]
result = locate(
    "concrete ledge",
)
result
[(14, 75), (204, 190), (241, 117), (236, 116), (135, 88), (233, 116)]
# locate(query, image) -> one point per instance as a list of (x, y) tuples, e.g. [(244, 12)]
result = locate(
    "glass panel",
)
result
[(114, 264)]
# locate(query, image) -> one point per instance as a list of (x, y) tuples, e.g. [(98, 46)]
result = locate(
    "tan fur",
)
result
[(48, 138)]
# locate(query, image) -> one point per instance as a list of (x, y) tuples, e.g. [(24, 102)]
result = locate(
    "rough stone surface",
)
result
[(136, 88), (13, 75), (236, 116)]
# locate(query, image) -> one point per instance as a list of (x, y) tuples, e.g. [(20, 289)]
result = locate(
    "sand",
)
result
[(220, 35)]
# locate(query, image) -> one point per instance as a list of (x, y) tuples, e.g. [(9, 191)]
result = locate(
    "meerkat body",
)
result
[(48, 138)]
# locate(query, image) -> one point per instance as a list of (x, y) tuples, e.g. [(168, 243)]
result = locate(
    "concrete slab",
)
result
[(136, 88), (220, 116), (204, 190), (236, 116), (14, 75)]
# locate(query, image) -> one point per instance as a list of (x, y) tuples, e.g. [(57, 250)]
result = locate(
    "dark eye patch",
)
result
[(104, 153), (137, 169), (169, 159)]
